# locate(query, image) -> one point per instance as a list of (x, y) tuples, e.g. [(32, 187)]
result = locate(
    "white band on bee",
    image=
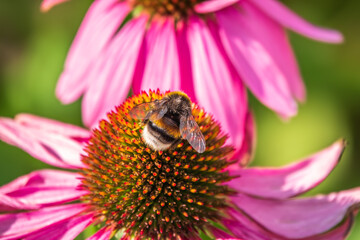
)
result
[(152, 141)]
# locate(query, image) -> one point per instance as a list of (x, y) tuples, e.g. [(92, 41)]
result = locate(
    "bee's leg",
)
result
[(135, 129), (174, 144), (143, 123)]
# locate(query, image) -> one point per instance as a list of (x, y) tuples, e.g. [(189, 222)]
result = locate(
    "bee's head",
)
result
[(178, 103), (178, 106)]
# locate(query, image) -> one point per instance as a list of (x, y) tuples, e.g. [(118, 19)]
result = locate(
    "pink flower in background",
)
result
[(207, 49), (41, 205)]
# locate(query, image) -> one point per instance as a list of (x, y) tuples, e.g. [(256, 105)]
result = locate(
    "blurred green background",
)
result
[(33, 47)]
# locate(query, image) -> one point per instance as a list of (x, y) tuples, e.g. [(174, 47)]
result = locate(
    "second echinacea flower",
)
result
[(125, 188), (208, 49)]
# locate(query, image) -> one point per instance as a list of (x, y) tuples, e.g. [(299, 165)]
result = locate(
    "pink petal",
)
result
[(64, 230), (243, 227), (273, 37), (8, 204), (300, 218), (252, 53), (18, 225), (54, 178), (162, 60), (339, 232), (187, 83), (46, 5), (49, 125), (103, 234), (246, 152), (40, 188), (217, 87), (213, 5), (94, 36), (290, 180), (51, 148), (112, 75), (229, 239), (289, 19), (220, 234)]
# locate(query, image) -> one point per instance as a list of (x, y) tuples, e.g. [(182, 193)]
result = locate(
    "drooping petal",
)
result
[(46, 5), (300, 218), (40, 188), (246, 152), (18, 225), (217, 87), (43, 178), (220, 234), (274, 39), (243, 227), (253, 52), (49, 125), (49, 147), (111, 77), (162, 61), (63, 230), (290, 180), (213, 5), (289, 19), (94, 36), (103, 234), (339, 232)]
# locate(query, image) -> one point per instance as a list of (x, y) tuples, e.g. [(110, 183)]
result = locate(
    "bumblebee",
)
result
[(167, 121)]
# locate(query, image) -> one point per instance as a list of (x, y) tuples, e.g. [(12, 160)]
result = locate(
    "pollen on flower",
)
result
[(148, 193), (175, 8)]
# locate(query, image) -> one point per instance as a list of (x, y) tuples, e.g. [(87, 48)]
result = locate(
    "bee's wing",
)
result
[(160, 112), (143, 111), (190, 130)]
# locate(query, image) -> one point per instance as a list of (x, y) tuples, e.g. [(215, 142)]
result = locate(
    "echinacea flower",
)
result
[(131, 191), (206, 48)]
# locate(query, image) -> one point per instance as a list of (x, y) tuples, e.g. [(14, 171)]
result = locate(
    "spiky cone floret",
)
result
[(171, 194), (178, 9)]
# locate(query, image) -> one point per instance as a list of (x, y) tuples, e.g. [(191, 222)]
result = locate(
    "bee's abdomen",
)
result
[(156, 137), (160, 133), (168, 126)]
